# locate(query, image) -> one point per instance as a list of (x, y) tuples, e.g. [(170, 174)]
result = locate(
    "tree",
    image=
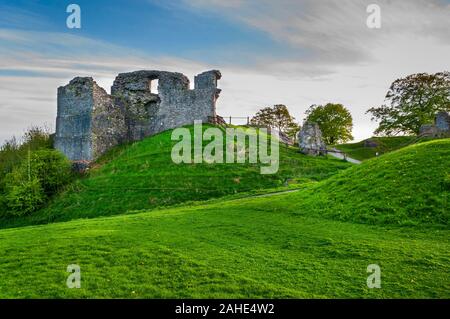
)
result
[(276, 117), (411, 102), (334, 120)]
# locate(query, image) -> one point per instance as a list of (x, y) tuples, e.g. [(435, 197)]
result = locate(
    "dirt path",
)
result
[(339, 155), (275, 193)]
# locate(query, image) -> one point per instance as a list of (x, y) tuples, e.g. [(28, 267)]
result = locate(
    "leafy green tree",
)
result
[(276, 117), (292, 131), (334, 120), (411, 102)]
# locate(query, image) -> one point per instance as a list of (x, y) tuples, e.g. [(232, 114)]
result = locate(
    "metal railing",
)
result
[(228, 120)]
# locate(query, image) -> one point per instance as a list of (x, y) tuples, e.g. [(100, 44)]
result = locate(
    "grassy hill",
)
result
[(408, 186), (313, 243), (142, 176), (384, 145)]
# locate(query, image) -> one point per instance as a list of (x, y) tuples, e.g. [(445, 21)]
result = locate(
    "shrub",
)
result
[(25, 198), (12, 152), (3, 207), (52, 169), (10, 156), (36, 138), (44, 172)]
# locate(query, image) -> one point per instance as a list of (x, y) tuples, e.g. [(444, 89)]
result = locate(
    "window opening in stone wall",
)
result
[(153, 86)]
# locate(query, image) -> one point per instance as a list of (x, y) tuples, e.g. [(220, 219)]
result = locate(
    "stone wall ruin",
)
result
[(440, 128), (90, 121), (310, 140)]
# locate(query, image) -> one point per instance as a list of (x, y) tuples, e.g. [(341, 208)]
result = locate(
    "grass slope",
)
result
[(385, 145), (142, 176), (222, 250), (278, 246), (406, 187)]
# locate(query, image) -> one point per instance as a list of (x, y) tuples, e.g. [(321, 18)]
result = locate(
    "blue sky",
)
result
[(293, 52), (155, 27)]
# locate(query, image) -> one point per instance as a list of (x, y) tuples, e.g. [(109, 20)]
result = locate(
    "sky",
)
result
[(292, 52)]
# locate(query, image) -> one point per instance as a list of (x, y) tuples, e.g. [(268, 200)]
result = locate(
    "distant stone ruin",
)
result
[(310, 140), (371, 143), (442, 122), (440, 128), (90, 121)]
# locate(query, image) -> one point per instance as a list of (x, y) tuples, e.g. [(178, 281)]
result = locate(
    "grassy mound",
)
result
[(143, 176), (409, 186), (384, 145)]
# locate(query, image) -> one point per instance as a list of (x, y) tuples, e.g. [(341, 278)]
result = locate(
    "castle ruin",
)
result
[(90, 121), (440, 128)]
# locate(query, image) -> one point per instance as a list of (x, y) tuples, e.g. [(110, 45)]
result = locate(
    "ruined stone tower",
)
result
[(90, 121)]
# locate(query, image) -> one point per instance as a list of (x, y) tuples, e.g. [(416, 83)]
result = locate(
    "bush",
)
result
[(3, 207), (12, 152), (25, 198), (37, 138), (52, 169), (10, 156), (42, 174)]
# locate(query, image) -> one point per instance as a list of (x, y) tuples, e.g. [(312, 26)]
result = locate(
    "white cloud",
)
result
[(332, 27), (340, 59)]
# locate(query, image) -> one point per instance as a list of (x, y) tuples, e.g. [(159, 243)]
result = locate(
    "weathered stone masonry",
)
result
[(440, 128), (90, 121), (310, 140)]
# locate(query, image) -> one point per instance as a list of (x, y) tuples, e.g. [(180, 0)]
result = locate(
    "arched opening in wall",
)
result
[(153, 86)]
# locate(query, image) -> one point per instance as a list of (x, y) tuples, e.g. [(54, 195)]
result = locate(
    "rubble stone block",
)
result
[(310, 140)]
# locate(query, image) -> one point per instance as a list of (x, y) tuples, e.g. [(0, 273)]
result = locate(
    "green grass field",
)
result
[(142, 176), (229, 249), (312, 243)]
